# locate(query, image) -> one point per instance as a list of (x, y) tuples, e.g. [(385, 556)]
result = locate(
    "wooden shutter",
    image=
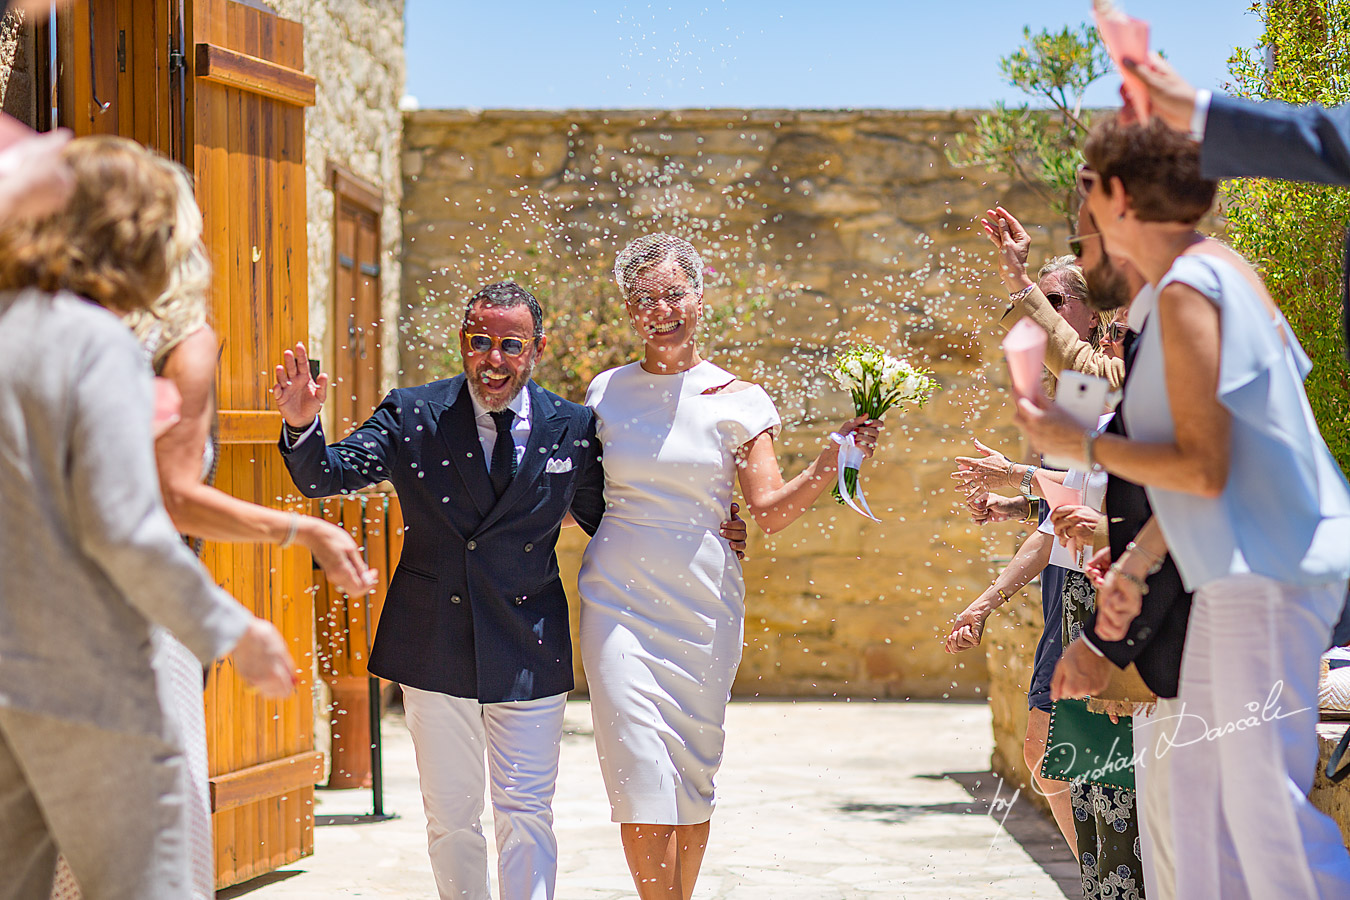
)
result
[(246, 113), (357, 323)]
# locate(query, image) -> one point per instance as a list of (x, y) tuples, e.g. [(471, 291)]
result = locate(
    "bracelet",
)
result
[(1033, 508), (1002, 595), (291, 530), (1019, 294), (1130, 577), (1155, 562), (1089, 439), (1026, 481)]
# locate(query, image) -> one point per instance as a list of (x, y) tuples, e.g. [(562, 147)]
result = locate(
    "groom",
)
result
[(475, 626)]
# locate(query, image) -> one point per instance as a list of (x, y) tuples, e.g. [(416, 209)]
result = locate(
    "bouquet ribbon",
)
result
[(851, 459)]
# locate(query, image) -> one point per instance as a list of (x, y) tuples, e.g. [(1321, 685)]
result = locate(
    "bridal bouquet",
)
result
[(876, 382)]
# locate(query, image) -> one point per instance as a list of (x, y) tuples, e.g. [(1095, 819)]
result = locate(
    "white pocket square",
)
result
[(558, 466)]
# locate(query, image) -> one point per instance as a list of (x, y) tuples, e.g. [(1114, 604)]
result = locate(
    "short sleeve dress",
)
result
[(662, 595)]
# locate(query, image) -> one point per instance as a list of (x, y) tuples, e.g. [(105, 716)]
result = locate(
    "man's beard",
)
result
[(494, 404), (1107, 287)]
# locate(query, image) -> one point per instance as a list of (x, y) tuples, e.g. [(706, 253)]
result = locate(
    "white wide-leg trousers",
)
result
[(520, 739), (1242, 747)]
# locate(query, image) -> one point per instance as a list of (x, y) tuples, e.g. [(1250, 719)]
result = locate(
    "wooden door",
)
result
[(357, 332), (245, 112), (220, 86)]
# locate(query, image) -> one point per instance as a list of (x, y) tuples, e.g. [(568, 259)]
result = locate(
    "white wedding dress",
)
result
[(662, 596)]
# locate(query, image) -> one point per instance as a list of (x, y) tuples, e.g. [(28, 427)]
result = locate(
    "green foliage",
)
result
[(1294, 232), (1041, 146)]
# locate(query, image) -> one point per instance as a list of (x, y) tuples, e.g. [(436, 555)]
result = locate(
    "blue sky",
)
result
[(745, 53)]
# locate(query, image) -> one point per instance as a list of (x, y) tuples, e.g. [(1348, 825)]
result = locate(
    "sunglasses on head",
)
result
[(1115, 332), (1076, 242), (483, 343)]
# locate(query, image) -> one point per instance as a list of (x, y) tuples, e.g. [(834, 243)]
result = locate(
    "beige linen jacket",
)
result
[(89, 559), (1064, 349)]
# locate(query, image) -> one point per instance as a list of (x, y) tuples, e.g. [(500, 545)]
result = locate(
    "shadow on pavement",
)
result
[(1025, 823), (253, 884), (1034, 830)]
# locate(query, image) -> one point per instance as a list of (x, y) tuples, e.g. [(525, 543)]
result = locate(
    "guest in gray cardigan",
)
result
[(89, 560)]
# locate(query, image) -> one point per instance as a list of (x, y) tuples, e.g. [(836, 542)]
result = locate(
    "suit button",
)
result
[(472, 545), (455, 598), (1144, 633), (519, 600), (529, 547)]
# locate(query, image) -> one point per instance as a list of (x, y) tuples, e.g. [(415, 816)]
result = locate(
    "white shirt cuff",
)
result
[(1091, 646), (1200, 115), (286, 435)]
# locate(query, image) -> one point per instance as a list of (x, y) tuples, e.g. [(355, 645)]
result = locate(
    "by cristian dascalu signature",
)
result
[(1197, 729)]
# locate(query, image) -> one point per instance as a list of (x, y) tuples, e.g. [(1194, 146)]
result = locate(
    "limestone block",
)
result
[(802, 154), (888, 158), (1332, 799)]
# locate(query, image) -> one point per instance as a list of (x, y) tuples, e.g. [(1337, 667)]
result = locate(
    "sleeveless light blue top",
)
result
[(1285, 510)]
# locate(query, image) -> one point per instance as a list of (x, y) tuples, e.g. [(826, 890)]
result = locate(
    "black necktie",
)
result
[(503, 467)]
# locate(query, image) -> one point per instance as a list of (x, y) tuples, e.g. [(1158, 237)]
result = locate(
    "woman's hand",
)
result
[(1080, 672), (1075, 526), (1051, 430), (979, 474), (986, 508), (1013, 244), (263, 659), (1119, 602), (865, 432), (967, 628), (338, 556)]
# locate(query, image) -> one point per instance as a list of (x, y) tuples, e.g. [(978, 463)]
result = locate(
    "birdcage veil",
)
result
[(653, 249)]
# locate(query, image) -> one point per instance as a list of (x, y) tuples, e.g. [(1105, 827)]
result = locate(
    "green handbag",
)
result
[(1088, 747)]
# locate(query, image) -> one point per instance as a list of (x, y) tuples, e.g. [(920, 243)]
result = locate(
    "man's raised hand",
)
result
[(298, 396)]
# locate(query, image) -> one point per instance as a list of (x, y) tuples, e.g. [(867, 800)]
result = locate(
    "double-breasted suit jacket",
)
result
[(476, 607)]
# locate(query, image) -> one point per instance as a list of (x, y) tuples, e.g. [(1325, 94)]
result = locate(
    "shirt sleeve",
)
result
[(120, 521), (1200, 114)]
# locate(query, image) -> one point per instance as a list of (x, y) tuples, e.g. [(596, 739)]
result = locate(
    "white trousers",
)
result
[(1153, 793), (451, 736), (1240, 749)]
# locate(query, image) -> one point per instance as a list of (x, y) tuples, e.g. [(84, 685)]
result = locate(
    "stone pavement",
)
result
[(816, 801)]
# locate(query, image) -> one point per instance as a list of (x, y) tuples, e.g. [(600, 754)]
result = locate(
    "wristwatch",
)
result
[(1026, 481)]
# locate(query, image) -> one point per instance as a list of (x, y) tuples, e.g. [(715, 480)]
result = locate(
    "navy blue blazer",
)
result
[(475, 608), (1244, 138)]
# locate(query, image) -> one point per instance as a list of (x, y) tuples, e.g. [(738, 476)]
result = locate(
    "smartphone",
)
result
[(1084, 398)]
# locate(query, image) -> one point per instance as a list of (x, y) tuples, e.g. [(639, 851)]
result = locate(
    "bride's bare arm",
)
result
[(775, 504)]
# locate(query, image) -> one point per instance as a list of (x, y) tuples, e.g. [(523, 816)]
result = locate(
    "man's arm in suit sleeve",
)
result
[(364, 457), (1064, 349), (588, 503), (119, 518), (1145, 627), (1244, 138)]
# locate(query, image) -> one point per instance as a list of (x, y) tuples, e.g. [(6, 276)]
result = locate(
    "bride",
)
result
[(662, 596)]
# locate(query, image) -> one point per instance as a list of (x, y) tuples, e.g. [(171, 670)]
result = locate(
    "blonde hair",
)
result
[(1075, 282), (181, 309), (650, 250), (108, 243)]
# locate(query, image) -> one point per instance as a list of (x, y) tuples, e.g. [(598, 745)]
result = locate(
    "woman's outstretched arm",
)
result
[(206, 512), (775, 504)]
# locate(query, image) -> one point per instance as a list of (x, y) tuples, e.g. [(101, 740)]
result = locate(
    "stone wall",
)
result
[(18, 94), (852, 225), (355, 51)]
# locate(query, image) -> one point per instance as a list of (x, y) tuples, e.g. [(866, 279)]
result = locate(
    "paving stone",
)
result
[(817, 801)]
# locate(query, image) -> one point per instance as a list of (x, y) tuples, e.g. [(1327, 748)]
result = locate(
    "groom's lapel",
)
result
[(460, 434), (544, 423)]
